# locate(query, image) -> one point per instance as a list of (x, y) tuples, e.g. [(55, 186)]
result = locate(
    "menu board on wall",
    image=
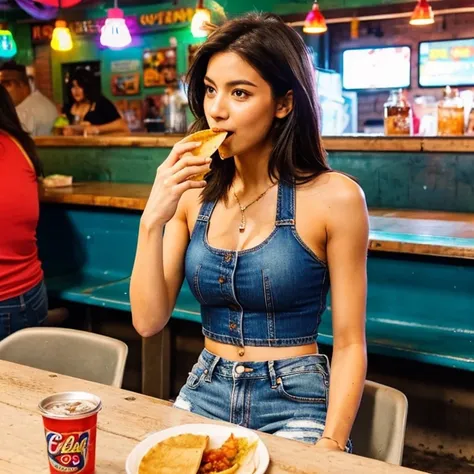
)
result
[(446, 63), (159, 67)]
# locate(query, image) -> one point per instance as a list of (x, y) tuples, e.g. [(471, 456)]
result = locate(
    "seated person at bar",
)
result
[(35, 111), (258, 242), (23, 298), (89, 112)]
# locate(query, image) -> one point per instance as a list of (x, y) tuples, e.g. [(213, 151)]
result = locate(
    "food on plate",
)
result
[(210, 140), (178, 454), (236, 455), (57, 181), (187, 454)]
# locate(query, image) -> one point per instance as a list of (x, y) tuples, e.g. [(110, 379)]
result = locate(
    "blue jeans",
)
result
[(27, 310), (286, 397)]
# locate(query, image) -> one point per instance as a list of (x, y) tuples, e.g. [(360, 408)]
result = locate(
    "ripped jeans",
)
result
[(286, 397)]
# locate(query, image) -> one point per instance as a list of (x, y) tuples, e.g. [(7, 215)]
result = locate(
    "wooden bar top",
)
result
[(359, 143), (125, 420), (445, 234)]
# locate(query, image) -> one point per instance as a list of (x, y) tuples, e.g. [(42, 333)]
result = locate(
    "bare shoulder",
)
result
[(346, 206), (333, 190), (335, 200), (342, 190)]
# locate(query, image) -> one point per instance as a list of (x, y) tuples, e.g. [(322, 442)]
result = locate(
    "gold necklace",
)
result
[(243, 221)]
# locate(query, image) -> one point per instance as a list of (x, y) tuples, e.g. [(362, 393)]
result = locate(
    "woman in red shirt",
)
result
[(23, 298)]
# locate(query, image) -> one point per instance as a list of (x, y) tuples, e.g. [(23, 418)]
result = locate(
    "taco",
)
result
[(210, 140), (181, 454)]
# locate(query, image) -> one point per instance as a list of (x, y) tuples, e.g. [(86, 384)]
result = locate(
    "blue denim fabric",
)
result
[(27, 310), (286, 397), (270, 295)]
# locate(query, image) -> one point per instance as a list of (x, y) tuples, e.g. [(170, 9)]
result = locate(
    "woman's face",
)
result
[(77, 92), (237, 99)]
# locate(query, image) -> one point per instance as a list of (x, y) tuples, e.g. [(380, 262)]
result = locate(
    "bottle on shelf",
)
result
[(398, 116), (451, 113)]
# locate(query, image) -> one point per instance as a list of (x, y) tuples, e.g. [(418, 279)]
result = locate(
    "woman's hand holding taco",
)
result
[(172, 180)]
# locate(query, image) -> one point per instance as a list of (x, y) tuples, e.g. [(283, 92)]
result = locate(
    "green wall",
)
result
[(431, 181)]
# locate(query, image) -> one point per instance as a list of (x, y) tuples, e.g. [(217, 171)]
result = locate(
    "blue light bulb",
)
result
[(7, 44)]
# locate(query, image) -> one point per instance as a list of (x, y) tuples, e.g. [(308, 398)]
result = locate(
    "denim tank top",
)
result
[(269, 295)]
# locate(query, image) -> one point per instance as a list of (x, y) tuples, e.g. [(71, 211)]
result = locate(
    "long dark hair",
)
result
[(10, 123), (85, 80), (279, 54)]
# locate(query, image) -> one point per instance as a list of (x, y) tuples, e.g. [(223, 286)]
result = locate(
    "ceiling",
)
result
[(13, 5)]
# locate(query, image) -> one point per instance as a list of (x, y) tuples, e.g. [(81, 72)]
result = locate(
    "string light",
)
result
[(8, 47), (422, 14), (115, 33), (314, 23), (201, 16), (61, 40)]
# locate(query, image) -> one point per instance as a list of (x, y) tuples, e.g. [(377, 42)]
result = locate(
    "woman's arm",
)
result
[(117, 126), (157, 272), (158, 269), (347, 242)]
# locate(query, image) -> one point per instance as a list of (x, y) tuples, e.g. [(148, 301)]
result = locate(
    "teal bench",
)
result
[(419, 308), (87, 256)]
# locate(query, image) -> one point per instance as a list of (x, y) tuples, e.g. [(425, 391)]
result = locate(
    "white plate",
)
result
[(217, 435)]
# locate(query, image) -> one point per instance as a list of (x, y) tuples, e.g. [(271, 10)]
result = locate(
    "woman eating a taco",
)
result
[(260, 242)]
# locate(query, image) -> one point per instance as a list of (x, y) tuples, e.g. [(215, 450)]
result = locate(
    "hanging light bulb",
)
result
[(115, 34), (314, 23), (201, 16), (422, 14), (8, 47), (61, 40)]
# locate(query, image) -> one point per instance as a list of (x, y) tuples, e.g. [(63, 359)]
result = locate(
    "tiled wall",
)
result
[(434, 181)]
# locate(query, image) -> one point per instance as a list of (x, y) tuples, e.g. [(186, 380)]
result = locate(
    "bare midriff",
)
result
[(258, 354)]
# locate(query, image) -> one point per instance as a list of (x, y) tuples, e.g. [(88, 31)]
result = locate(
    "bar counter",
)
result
[(428, 173), (361, 142), (417, 232)]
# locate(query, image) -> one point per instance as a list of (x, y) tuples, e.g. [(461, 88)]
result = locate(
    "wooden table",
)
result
[(126, 419), (445, 234)]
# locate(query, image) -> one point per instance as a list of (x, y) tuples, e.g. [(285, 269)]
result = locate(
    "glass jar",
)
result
[(451, 113), (398, 118)]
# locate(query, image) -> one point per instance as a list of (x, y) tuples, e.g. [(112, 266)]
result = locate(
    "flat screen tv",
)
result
[(386, 67), (446, 63)]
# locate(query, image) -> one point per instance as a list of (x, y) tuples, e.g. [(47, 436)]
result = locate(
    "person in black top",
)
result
[(88, 111)]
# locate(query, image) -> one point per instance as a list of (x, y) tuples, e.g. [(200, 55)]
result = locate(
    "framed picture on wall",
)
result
[(125, 84), (159, 67)]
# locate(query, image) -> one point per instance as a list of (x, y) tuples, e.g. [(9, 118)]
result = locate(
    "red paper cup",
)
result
[(70, 426)]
